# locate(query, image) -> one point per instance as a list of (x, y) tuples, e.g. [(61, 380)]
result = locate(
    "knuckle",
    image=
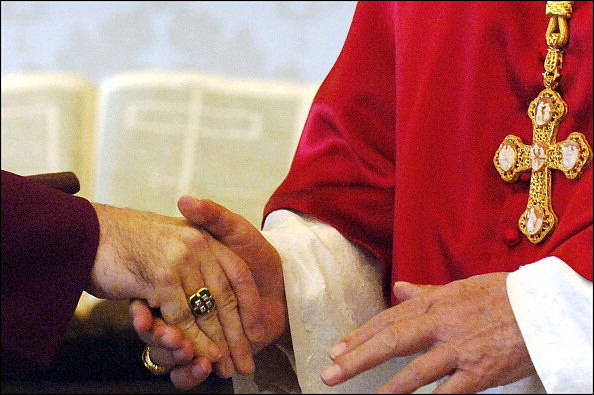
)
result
[(192, 238), (226, 301), (168, 278), (241, 276), (179, 316), (421, 365), (387, 337)]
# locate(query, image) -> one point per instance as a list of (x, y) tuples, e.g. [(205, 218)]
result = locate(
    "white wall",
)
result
[(289, 40)]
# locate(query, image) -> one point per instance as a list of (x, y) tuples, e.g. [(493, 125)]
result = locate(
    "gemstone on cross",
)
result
[(571, 156)]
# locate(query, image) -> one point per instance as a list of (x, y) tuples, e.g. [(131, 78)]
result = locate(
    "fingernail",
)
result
[(330, 374), (201, 368), (181, 355), (168, 339), (215, 352), (336, 350), (256, 333), (200, 371)]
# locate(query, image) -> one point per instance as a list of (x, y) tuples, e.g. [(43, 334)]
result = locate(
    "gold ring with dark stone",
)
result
[(201, 302)]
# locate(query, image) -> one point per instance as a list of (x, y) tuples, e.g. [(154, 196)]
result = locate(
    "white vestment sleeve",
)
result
[(333, 286), (553, 307)]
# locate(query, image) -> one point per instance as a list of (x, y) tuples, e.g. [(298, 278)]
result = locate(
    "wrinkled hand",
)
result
[(466, 330), (169, 348), (263, 261), (163, 260), (265, 268)]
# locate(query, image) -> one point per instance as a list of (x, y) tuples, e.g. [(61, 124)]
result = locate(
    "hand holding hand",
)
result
[(163, 260), (466, 329), (265, 319), (264, 309)]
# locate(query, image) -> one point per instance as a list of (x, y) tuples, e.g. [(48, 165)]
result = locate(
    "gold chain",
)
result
[(571, 156), (557, 37)]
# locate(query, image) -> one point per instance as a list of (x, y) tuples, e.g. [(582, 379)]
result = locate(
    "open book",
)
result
[(140, 140)]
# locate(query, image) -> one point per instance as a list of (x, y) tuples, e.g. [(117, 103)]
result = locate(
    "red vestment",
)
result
[(49, 242), (397, 151)]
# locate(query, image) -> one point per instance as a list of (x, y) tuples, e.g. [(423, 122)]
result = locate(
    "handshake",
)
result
[(215, 281), (208, 293)]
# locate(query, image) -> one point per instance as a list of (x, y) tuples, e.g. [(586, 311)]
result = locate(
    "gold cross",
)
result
[(571, 156)]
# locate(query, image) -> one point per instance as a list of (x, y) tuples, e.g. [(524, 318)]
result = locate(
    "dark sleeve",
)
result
[(49, 242)]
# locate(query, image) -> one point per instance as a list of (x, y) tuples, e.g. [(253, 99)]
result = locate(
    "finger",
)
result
[(409, 310), (220, 222), (176, 311), (460, 382), (405, 291), (234, 230), (153, 330), (425, 369), (227, 309), (142, 318), (191, 375), (168, 346), (165, 335), (171, 357), (244, 289), (231, 229), (211, 275), (406, 338)]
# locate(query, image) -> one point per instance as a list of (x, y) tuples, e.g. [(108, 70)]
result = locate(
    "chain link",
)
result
[(557, 37), (560, 8)]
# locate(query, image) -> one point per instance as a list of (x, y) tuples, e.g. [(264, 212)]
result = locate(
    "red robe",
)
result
[(397, 151), (49, 242)]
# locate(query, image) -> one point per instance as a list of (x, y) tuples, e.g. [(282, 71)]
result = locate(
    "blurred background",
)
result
[(145, 100), (288, 40)]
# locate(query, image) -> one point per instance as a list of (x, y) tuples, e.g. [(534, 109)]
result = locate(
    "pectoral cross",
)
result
[(571, 156)]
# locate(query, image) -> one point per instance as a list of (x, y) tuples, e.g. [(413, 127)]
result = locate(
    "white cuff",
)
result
[(332, 286), (553, 307)]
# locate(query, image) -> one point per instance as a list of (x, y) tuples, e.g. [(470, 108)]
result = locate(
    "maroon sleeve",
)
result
[(49, 242), (343, 170)]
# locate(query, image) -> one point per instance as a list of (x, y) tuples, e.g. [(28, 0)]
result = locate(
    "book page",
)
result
[(167, 134), (48, 126)]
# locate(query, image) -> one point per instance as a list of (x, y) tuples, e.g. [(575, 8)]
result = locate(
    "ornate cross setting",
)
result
[(547, 111), (571, 156)]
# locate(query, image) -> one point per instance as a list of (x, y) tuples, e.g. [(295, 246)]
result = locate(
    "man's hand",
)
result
[(262, 259), (163, 260), (263, 315), (466, 330)]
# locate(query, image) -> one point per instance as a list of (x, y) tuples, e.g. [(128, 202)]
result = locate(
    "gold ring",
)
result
[(155, 369), (201, 302)]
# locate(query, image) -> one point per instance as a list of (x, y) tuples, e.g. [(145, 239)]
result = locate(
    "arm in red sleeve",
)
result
[(49, 242), (343, 170)]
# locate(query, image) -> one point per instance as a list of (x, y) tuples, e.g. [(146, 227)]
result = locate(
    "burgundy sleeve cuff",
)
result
[(49, 242)]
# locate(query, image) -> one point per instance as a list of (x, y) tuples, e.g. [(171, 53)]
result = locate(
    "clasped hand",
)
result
[(172, 259), (464, 332)]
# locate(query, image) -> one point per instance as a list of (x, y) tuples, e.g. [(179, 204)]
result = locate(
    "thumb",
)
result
[(404, 290), (239, 235), (229, 228)]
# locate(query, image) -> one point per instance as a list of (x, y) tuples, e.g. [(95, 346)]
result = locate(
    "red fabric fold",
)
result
[(397, 152)]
